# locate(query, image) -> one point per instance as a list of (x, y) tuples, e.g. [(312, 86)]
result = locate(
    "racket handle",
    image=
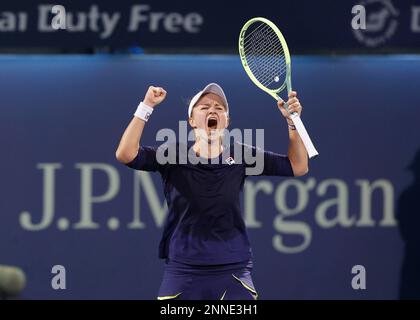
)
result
[(297, 121)]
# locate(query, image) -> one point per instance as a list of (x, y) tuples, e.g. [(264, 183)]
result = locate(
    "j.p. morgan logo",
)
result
[(381, 23)]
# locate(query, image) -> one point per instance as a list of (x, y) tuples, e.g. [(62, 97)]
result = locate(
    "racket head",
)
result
[(265, 56)]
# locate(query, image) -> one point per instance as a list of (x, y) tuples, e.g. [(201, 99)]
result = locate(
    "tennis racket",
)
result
[(266, 60)]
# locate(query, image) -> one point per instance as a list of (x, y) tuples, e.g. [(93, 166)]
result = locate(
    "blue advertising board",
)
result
[(66, 200), (309, 26)]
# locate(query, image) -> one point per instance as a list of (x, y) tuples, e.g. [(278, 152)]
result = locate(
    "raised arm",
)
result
[(297, 152), (130, 141)]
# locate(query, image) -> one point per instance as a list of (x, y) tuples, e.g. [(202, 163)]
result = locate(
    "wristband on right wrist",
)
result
[(143, 111)]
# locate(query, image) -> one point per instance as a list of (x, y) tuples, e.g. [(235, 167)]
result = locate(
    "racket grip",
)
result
[(310, 148)]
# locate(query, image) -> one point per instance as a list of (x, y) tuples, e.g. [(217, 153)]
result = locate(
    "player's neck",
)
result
[(207, 149)]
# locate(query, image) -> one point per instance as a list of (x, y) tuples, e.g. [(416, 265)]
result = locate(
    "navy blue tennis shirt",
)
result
[(204, 225)]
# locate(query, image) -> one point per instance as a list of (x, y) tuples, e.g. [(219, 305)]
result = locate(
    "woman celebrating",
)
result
[(204, 241)]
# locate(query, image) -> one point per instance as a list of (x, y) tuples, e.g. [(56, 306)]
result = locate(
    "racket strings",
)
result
[(269, 63), (271, 53), (267, 60), (260, 34), (263, 45), (265, 55), (253, 31)]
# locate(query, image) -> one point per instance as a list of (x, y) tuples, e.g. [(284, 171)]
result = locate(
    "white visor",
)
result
[(210, 88)]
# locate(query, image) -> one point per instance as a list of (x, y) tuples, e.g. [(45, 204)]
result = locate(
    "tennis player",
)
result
[(204, 243)]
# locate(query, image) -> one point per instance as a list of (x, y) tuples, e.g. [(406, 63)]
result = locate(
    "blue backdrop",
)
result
[(309, 26), (66, 201)]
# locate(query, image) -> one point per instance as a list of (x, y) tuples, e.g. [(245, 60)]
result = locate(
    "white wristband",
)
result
[(143, 111)]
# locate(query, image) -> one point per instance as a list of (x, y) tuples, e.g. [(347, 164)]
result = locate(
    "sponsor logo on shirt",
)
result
[(230, 161)]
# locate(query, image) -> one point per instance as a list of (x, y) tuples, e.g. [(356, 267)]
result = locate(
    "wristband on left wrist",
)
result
[(143, 111)]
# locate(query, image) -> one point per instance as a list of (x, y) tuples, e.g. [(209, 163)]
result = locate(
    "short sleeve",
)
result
[(274, 164), (145, 160)]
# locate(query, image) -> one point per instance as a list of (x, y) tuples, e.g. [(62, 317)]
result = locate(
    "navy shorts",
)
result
[(215, 282)]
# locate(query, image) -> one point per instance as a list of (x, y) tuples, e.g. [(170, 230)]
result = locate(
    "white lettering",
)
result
[(172, 22), (292, 227), (359, 20), (341, 202), (59, 20), (58, 282), (49, 196), (359, 280), (10, 22), (415, 19), (192, 22), (43, 14), (366, 191), (86, 191)]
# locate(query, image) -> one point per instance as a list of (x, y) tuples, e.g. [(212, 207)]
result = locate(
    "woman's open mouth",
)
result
[(212, 123)]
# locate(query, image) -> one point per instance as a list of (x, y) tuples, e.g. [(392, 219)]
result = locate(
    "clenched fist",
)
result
[(154, 96), (294, 106)]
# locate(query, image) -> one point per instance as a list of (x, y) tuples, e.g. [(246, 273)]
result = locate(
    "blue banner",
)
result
[(66, 201), (309, 26)]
